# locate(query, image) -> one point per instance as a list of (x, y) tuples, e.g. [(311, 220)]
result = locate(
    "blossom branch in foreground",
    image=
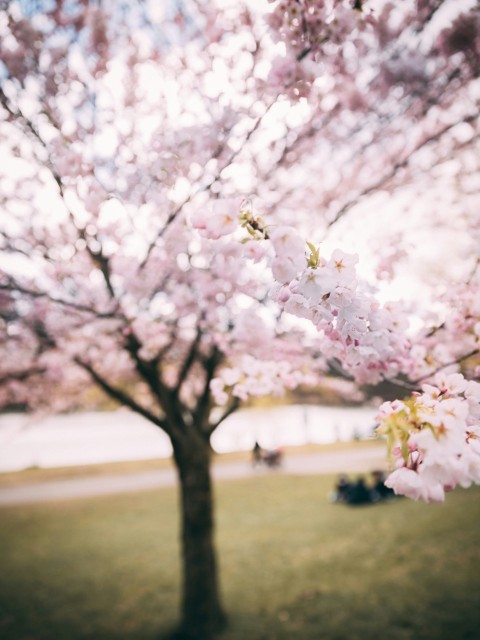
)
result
[(434, 437)]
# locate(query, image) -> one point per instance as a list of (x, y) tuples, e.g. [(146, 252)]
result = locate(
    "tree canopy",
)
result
[(135, 138)]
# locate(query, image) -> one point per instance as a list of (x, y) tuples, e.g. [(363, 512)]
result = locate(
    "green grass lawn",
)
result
[(293, 566)]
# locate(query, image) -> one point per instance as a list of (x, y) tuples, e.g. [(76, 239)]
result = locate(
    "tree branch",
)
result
[(232, 407), (21, 375), (103, 264), (208, 185), (13, 286), (190, 359), (203, 404), (381, 182), (447, 364), (167, 398), (120, 396)]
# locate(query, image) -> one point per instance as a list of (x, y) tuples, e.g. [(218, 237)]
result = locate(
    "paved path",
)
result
[(350, 460)]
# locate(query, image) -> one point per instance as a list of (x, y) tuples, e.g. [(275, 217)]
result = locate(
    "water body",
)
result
[(95, 437)]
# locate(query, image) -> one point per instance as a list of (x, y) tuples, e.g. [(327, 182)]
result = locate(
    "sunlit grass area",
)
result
[(293, 566)]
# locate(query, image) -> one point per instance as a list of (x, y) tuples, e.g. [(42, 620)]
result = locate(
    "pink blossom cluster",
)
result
[(349, 39), (293, 76), (218, 218), (309, 29), (306, 25), (252, 377), (456, 336), (435, 438), (367, 338)]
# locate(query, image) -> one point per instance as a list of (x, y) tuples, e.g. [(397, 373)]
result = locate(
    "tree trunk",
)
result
[(202, 613)]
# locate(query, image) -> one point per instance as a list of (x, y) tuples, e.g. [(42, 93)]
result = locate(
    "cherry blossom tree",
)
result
[(137, 138)]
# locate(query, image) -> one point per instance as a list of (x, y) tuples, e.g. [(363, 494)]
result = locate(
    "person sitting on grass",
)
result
[(379, 490), (359, 493), (342, 489)]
